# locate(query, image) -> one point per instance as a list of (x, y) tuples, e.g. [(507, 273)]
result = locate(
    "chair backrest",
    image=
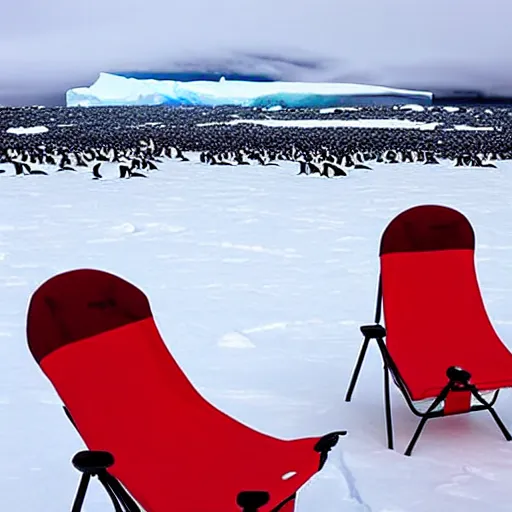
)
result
[(433, 310), (94, 336)]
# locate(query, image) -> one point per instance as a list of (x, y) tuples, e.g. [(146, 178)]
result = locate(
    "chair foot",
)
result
[(251, 501), (95, 463)]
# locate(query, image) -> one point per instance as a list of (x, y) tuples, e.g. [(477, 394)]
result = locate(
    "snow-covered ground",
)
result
[(259, 280)]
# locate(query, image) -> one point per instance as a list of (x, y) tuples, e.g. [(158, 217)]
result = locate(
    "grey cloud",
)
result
[(49, 46)]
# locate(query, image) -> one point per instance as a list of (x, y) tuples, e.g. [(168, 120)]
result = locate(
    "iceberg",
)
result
[(111, 90)]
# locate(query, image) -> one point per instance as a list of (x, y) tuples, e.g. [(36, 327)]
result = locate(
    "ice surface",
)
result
[(403, 124), (413, 107), (462, 127), (282, 265), (336, 123), (334, 109), (111, 89), (27, 131)]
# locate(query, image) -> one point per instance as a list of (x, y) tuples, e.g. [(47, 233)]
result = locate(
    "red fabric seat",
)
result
[(438, 342), (95, 338), (433, 309)]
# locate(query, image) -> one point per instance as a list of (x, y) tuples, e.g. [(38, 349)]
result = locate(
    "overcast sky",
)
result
[(48, 46)]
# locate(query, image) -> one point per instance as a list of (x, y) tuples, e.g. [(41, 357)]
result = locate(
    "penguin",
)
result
[(36, 171), (430, 159), (181, 156), (64, 161), (96, 171), (259, 158), (303, 167), (407, 157), (102, 157), (132, 174), (123, 171), (116, 157), (476, 161), (214, 161), (459, 161), (239, 159), (20, 168), (80, 162), (336, 170), (349, 162), (136, 163), (391, 157), (313, 168), (151, 165)]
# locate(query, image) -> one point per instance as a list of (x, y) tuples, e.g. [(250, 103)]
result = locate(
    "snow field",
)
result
[(258, 280)]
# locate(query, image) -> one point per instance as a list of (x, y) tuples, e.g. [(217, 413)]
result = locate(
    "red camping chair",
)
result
[(94, 336), (440, 343)]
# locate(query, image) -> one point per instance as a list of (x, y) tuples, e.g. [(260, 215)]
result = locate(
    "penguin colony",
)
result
[(139, 139)]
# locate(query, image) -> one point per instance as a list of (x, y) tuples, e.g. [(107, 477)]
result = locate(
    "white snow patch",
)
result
[(464, 127), (413, 107), (235, 340), (21, 130), (333, 123), (125, 228), (332, 110), (267, 327)]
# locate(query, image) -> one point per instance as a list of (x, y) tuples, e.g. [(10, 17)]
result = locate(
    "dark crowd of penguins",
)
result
[(139, 139)]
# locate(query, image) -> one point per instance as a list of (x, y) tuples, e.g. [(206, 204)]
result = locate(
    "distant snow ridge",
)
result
[(111, 90)]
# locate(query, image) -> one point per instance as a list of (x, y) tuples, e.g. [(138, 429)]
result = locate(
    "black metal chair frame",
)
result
[(454, 384), (96, 463)]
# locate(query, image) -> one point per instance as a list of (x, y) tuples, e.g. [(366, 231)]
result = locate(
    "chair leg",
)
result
[(492, 411), (326, 443), (427, 416), (81, 492), (500, 424), (387, 405), (357, 370), (416, 436), (125, 499), (118, 504), (95, 463)]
